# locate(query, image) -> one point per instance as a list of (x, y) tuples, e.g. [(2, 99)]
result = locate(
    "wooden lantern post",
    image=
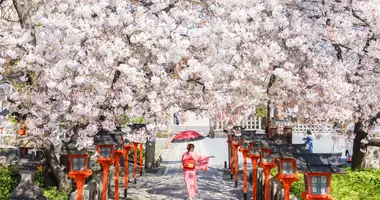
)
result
[(266, 162), (244, 151), (105, 159), (254, 155), (287, 174), (134, 145), (127, 147), (230, 155), (119, 152), (235, 144), (79, 171), (141, 158)]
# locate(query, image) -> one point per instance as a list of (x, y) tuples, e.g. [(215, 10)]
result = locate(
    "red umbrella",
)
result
[(187, 136)]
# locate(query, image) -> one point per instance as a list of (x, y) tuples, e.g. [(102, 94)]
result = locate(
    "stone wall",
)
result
[(371, 158)]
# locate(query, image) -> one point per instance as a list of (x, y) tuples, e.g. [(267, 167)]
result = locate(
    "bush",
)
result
[(51, 193), (9, 178), (299, 186), (39, 178), (355, 185), (131, 153)]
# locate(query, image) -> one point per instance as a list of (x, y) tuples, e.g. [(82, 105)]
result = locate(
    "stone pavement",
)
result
[(168, 183)]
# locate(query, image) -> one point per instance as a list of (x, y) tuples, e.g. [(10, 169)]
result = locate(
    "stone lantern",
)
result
[(79, 171), (267, 163), (318, 170), (27, 165), (106, 158)]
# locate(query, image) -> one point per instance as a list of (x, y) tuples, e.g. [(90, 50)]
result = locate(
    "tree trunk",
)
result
[(267, 129), (357, 155), (61, 177)]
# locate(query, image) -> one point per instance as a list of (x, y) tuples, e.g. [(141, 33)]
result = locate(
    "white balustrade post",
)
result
[(259, 123)]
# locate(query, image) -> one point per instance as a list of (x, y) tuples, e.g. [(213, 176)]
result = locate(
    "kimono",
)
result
[(190, 175)]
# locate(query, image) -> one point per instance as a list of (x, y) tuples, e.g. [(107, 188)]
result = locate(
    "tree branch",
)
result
[(272, 79), (373, 143), (339, 51), (115, 78), (374, 118), (359, 18)]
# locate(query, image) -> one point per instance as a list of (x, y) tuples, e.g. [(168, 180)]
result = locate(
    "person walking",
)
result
[(309, 141), (192, 162)]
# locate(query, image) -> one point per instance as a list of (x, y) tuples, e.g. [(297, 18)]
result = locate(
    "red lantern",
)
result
[(79, 171), (267, 163), (254, 155), (105, 159), (244, 151), (127, 147)]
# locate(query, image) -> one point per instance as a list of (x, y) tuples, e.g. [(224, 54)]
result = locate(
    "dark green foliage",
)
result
[(261, 110), (51, 193), (9, 179), (131, 153), (356, 185), (361, 184), (39, 179)]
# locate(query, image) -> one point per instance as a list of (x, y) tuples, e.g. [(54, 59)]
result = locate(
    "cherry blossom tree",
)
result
[(80, 66), (319, 55)]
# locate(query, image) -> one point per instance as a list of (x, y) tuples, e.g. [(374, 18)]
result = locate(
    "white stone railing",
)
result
[(254, 123), (297, 128)]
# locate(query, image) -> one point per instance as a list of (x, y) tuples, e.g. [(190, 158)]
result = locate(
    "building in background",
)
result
[(200, 124)]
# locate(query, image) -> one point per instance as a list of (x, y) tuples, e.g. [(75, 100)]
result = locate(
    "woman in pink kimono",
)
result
[(192, 162)]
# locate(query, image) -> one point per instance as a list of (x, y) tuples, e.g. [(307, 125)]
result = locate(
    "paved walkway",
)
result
[(169, 182)]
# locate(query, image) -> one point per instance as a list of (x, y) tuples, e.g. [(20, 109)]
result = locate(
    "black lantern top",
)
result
[(109, 137), (286, 151), (320, 163), (248, 134), (136, 126)]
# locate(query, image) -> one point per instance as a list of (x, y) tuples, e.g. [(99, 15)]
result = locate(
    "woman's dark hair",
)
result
[(308, 132), (190, 146)]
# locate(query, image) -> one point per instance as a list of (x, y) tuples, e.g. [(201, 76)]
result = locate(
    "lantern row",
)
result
[(265, 153), (110, 147)]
